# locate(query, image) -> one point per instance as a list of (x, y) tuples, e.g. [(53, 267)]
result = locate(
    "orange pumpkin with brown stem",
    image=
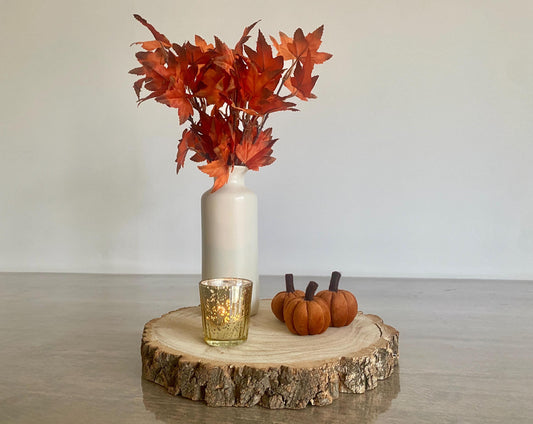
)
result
[(342, 304), (279, 300), (307, 315)]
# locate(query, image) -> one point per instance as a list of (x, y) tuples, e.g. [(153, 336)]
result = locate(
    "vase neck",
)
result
[(236, 176)]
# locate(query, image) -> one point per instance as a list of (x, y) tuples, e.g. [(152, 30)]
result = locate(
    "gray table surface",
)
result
[(69, 352)]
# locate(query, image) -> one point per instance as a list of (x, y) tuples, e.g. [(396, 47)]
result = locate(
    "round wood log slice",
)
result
[(273, 368)]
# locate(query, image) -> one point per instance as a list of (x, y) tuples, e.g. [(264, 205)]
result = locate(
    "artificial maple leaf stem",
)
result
[(195, 103), (260, 129), (286, 76)]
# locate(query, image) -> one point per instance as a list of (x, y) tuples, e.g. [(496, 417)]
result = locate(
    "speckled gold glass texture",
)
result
[(225, 306)]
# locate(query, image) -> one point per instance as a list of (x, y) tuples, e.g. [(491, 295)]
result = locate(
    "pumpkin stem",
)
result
[(310, 290), (289, 283), (334, 283)]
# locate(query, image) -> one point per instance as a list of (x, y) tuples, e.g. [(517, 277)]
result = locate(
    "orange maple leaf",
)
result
[(258, 90), (162, 40), (273, 103), (258, 153), (187, 141), (224, 57), (262, 58), (157, 77), (214, 85), (313, 43), (302, 82), (215, 136), (202, 44), (298, 47), (219, 170), (176, 97), (245, 37), (282, 46)]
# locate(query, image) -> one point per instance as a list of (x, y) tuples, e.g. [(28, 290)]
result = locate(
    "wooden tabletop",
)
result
[(70, 352)]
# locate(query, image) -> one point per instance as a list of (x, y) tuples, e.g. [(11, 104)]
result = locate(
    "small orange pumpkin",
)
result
[(342, 304), (281, 298), (307, 315)]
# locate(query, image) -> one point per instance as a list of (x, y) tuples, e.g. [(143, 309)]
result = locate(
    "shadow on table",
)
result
[(360, 408)]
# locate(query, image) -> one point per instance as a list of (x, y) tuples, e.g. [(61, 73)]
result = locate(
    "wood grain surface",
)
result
[(274, 368)]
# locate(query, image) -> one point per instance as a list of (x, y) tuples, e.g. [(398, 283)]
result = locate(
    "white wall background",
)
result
[(415, 160)]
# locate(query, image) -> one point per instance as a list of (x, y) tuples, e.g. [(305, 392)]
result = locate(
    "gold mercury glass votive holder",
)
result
[(225, 306)]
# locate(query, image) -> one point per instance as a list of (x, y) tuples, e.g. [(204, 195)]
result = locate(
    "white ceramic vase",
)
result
[(229, 233)]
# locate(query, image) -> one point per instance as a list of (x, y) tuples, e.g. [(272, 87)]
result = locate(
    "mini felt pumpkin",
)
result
[(342, 304), (281, 298), (307, 315)]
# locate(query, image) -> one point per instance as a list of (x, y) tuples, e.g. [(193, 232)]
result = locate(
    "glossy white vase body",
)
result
[(229, 233)]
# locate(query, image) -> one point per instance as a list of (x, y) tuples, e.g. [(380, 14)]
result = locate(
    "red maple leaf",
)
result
[(225, 57), (215, 136), (263, 59), (156, 74), (302, 82), (256, 90), (298, 46), (255, 154)]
